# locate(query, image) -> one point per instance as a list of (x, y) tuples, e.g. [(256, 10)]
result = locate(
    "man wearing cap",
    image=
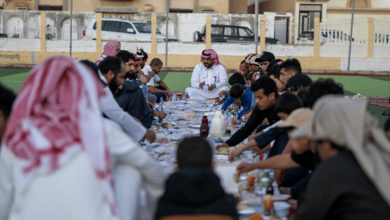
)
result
[(352, 181), (254, 66), (209, 78), (297, 82)]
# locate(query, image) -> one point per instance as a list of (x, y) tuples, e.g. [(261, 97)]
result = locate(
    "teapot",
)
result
[(218, 128)]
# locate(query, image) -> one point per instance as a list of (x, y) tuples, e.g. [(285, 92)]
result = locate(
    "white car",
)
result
[(115, 29)]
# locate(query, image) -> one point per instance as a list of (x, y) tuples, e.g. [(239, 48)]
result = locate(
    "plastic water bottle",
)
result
[(161, 104), (174, 97), (183, 96)]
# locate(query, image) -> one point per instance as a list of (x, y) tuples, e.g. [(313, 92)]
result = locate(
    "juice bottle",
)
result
[(204, 127)]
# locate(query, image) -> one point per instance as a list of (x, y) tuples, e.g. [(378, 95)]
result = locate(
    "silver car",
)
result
[(115, 29)]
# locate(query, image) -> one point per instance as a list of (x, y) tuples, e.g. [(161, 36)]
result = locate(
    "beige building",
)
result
[(131, 6), (334, 14)]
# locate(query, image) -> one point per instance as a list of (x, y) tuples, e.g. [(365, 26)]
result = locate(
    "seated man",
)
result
[(234, 79), (244, 69), (242, 93), (266, 94), (131, 99), (288, 69), (254, 66), (55, 163), (209, 78), (298, 82), (7, 98), (352, 181), (265, 59), (195, 189), (110, 108), (161, 91), (386, 128), (273, 72)]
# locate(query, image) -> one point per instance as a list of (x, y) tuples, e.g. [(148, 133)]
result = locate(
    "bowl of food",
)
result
[(168, 125)]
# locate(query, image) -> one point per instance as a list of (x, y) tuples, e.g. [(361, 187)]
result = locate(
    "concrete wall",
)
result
[(219, 6)]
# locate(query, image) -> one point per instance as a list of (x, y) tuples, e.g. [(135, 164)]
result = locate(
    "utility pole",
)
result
[(350, 37)]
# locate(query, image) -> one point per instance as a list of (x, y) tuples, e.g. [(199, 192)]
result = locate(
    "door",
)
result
[(216, 34), (110, 30), (281, 29), (231, 34), (127, 32), (245, 34)]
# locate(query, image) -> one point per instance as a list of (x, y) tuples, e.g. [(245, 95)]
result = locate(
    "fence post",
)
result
[(43, 31), (99, 33), (153, 49), (208, 32), (317, 37), (262, 33), (370, 45)]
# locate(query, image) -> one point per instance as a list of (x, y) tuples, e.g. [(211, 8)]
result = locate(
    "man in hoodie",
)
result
[(195, 189), (131, 99)]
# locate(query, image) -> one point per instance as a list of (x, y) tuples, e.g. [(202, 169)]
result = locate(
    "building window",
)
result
[(49, 8), (307, 13), (179, 10)]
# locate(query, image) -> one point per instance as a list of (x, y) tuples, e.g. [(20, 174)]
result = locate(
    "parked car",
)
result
[(124, 30), (230, 33)]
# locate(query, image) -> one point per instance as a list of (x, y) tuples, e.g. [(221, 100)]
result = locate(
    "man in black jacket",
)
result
[(266, 93), (195, 189)]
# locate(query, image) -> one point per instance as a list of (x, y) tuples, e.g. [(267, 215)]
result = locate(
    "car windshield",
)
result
[(145, 28), (250, 33)]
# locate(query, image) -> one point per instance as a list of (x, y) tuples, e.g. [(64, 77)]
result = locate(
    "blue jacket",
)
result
[(246, 101)]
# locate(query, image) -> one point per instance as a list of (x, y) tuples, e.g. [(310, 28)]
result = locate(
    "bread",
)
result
[(236, 177)]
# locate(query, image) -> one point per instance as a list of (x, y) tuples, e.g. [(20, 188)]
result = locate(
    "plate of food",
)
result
[(194, 125), (201, 110), (167, 125)]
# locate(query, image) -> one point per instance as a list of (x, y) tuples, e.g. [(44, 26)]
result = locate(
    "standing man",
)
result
[(209, 78), (161, 91)]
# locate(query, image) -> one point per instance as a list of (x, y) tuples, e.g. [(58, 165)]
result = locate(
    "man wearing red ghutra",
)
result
[(209, 78)]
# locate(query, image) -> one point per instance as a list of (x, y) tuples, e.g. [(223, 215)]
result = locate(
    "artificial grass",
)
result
[(179, 81)]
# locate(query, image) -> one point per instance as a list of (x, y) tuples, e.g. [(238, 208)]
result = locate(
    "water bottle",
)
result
[(183, 96), (174, 97), (154, 123), (161, 100)]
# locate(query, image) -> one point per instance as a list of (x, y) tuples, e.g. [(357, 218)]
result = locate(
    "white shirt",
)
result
[(153, 79), (71, 192), (109, 106), (215, 75)]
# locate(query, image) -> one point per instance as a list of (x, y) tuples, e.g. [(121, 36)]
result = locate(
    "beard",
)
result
[(113, 86), (208, 65)]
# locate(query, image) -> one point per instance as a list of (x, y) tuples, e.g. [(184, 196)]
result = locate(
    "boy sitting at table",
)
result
[(194, 189), (241, 94)]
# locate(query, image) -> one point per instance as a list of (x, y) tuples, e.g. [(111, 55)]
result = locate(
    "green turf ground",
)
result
[(367, 86)]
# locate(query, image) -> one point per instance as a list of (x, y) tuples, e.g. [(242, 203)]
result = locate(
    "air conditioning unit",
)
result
[(22, 8)]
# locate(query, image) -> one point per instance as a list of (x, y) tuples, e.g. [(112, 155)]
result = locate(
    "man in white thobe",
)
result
[(209, 78)]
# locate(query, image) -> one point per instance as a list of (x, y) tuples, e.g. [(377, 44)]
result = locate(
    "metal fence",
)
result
[(29, 37)]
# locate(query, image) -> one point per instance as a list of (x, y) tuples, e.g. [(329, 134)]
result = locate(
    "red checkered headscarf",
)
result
[(213, 55), (108, 50), (137, 60), (55, 117)]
